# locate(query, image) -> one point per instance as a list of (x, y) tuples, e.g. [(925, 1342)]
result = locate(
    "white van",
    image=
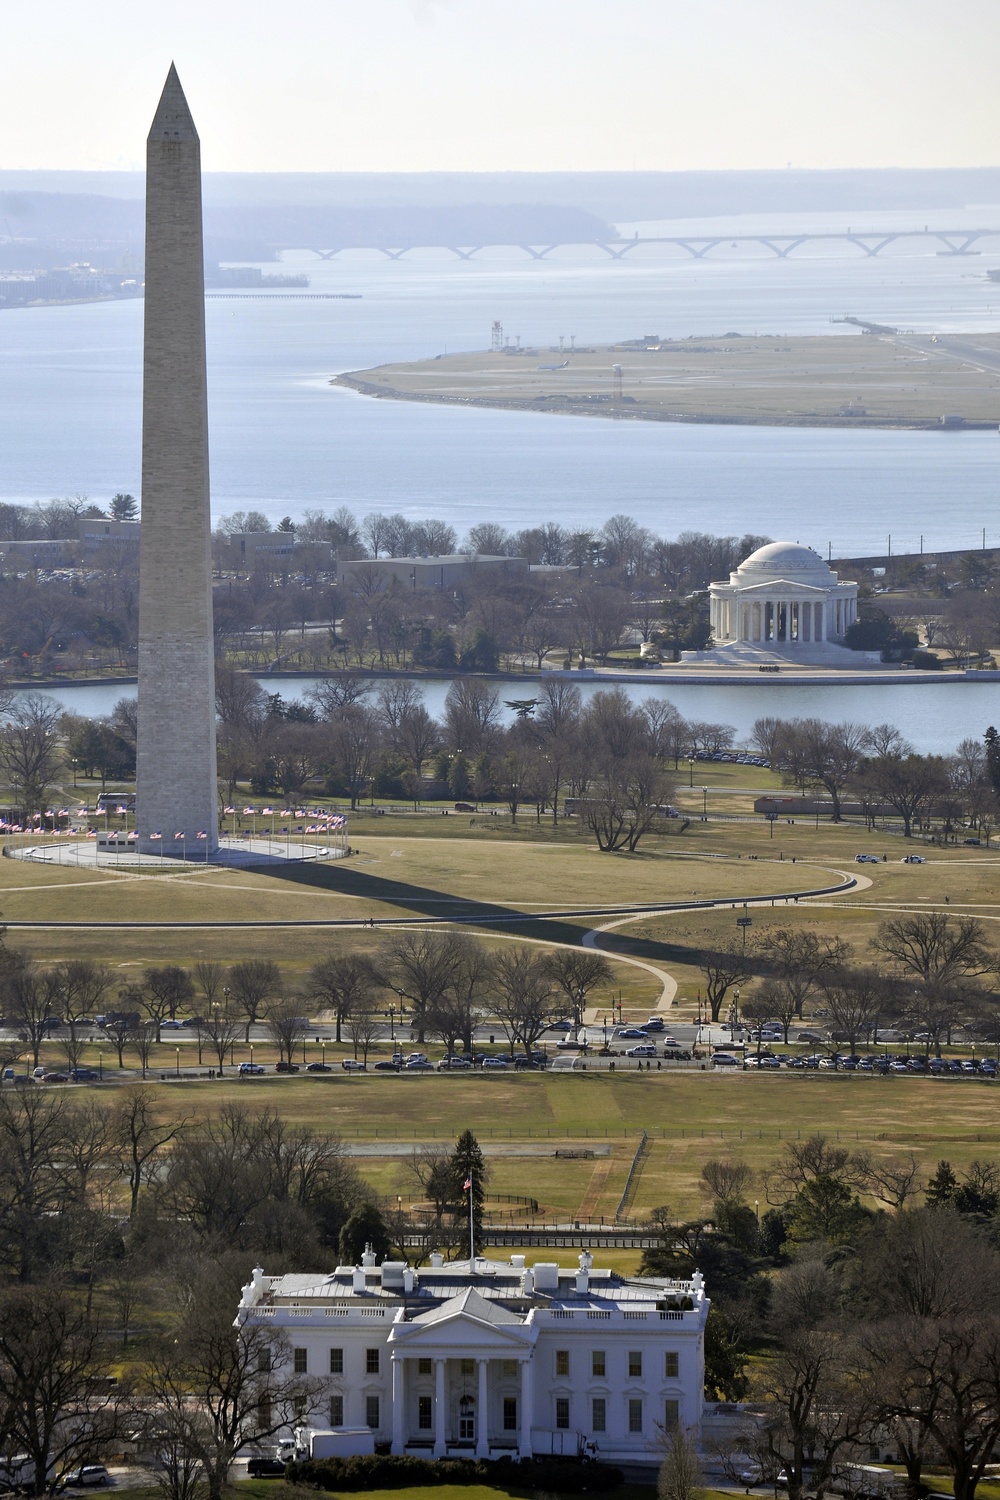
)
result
[(725, 1060)]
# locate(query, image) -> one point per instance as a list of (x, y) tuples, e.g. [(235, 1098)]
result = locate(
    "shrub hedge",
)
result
[(559, 1476)]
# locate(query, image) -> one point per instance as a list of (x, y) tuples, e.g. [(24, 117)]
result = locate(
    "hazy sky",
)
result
[(418, 85)]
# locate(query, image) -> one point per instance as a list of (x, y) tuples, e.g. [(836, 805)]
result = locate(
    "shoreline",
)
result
[(674, 674), (564, 406)]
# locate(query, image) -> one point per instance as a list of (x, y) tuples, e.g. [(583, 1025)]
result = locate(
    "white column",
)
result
[(482, 1412), (525, 1410), (440, 1438), (398, 1404), (822, 621)]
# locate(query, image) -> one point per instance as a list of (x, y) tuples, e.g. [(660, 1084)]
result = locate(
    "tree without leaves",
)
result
[(797, 957), (252, 984), (29, 750), (854, 999), (285, 1024), (523, 994), (577, 971), (336, 982), (724, 968), (422, 966), (432, 1170), (680, 1476), (139, 1136), (61, 1413), (166, 990), (215, 1386), (143, 1037)]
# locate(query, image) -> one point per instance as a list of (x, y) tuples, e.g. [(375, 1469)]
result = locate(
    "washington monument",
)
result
[(176, 765)]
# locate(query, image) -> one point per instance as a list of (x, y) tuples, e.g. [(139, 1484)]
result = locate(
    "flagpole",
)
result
[(472, 1232)]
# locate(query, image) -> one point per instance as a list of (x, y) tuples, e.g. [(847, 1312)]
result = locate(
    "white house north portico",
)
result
[(493, 1358), (783, 599)]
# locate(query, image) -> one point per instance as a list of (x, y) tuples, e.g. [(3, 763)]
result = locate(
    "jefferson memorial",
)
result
[(783, 601)]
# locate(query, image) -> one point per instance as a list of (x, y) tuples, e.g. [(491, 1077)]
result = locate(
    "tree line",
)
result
[(853, 1310)]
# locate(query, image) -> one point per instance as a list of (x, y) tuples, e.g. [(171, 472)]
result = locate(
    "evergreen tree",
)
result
[(365, 1226), (942, 1185), (992, 739), (469, 1165)]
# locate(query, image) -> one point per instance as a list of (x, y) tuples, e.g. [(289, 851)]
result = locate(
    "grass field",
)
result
[(412, 866), (690, 1117)]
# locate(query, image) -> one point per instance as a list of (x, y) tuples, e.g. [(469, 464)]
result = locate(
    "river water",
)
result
[(933, 716), (284, 439)]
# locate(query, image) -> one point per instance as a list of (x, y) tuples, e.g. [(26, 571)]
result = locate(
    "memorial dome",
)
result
[(785, 560)]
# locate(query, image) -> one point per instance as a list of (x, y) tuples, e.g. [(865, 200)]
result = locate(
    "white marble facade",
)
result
[(783, 597), (494, 1358)]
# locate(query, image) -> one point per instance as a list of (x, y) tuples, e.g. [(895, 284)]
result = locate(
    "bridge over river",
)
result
[(699, 246)]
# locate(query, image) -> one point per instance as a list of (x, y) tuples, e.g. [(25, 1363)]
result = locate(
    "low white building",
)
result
[(783, 598), (496, 1358)]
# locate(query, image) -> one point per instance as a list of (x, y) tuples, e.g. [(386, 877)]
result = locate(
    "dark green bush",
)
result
[(559, 1476)]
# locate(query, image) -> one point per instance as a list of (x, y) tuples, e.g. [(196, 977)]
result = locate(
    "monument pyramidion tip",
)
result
[(173, 120)]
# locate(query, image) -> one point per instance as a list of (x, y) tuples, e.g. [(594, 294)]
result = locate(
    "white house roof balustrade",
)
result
[(494, 1357), (782, 604)]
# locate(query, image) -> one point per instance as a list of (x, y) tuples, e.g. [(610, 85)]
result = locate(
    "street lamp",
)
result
[(323, 1045), (177, 1061), (691, 770), (251, 1057)]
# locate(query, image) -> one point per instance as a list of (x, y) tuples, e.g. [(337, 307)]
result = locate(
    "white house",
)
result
[(495, 1357)]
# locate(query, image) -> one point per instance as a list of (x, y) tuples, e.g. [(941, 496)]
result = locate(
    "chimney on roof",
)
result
[(368, 1258), (358, 1278), (437, 1260)]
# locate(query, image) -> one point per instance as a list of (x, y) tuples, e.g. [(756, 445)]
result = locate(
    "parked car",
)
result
[(172, 1025), (725, 1060), (286, 1067), (265, 1468), (351, 1065), (251, 1068), (867, 859), (973, 843), (319, 1067), (629, 1034), (495, 1062), (913, 859), (655, 1023), (90, 1476), (418, 1067), (769, 1062), (85, 1075), (387, 1067), (56, 1078), (417, 1057), (645, 1049), (560, 1025)]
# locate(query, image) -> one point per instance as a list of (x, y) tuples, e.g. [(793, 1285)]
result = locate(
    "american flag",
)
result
[(122, 809), (201, 834), (180, 835), (247, 811), (228, 810), (156, 835), (267, 812), (467, 1185)]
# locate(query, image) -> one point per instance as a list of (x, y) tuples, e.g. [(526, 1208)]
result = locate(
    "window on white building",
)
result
[(425, 1413), (635, 1364), (371, 1363), (468, 1366), (671, 1414), (508, 1367), (598, 1363), (598, 1415), (562, 1412), (425, 1367), (336, 1411), (635, 1415), (562, 1361), (672, 1364), (336, 1361), (300, 1359), (371, 1411), (510, 1412)]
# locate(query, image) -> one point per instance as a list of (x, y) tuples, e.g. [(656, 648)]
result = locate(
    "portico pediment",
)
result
[(466, 1325), (783, 586)]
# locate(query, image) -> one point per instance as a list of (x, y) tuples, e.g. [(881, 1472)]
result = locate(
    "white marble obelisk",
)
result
[(176, 773)]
